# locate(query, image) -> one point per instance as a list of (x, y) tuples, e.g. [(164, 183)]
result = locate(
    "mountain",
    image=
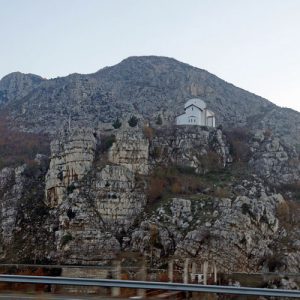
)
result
[(145, 190), (145, 86), (17, 85)]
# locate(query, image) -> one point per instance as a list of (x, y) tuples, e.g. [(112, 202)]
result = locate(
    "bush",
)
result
[(148, 132), (117, 124), (159, 120), (239, 148), (268, 133), (71, 188), (274, 263), (288, 213), (66, 239), (186, 169), (156, 188), (106, 141), (157, 152), (71, 214), (223, 193), (176, 187), (20, 147), (210, 162), (169, 181), (291, 188), (133, 121)]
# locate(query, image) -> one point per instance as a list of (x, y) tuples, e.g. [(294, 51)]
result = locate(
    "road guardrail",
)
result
[(150, 285)]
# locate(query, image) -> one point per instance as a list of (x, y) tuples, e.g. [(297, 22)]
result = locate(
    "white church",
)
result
[(196, 113)]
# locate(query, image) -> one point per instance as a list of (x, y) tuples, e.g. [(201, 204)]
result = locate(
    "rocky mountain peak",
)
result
[(17, 85), (145, 86)]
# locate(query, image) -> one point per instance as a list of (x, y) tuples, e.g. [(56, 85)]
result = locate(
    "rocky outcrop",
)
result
[(72, 156), (131, 150), (23, 215), (237, 233), (17, 85), (80, 233), (119, 196), (273, 159), (92, 203), (239, 237), (11, 186), (200, 148)]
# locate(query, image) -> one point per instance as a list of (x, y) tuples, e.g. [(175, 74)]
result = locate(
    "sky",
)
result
[(253, 44)]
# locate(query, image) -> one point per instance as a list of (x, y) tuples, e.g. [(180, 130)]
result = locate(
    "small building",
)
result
[(196, 113)]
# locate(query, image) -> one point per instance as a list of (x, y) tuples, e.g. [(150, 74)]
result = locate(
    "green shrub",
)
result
[(133, 121), (106, 141), (159, 120), (157, 152), (70, 188), (186, 170), (66, 239), (117, 124), (238, 139)]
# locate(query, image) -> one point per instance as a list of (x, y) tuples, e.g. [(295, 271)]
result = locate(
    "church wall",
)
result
[(195, 116)]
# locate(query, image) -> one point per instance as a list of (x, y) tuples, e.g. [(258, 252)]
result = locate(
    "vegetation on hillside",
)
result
[(18, 147)]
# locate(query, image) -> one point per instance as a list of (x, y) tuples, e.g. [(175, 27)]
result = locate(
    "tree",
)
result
[(133, 121), (117, 124), (159, 120)]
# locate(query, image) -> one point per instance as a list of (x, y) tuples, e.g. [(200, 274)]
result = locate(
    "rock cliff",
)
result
[(72, 155), (96, 204), (273, 159), (17, 85)]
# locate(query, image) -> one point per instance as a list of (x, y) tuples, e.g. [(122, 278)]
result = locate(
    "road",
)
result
[(8, 296)]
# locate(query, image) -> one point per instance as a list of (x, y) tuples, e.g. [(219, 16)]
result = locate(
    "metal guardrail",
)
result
[(64, 266), (150, 285)]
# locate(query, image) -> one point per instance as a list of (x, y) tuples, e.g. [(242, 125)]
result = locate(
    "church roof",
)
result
[(196, 102)]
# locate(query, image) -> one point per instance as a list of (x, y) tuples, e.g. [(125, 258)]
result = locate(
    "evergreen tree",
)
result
[(159, 120), (117, 124), (133, 121)]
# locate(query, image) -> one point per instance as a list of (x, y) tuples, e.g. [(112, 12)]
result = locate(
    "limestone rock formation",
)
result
[(24, 231), (131, 150), (11, 186), (80, 234), (197, 147), (72, 157), (119, 196), (237, 233), (273, 159), (17, 85)]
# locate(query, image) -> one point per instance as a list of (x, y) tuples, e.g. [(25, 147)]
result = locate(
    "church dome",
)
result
[(197, 102)]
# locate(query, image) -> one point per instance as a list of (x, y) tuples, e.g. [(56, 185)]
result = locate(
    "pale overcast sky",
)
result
[(254, 44)]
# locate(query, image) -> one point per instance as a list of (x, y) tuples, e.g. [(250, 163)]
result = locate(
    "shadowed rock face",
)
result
[(145, 86)]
